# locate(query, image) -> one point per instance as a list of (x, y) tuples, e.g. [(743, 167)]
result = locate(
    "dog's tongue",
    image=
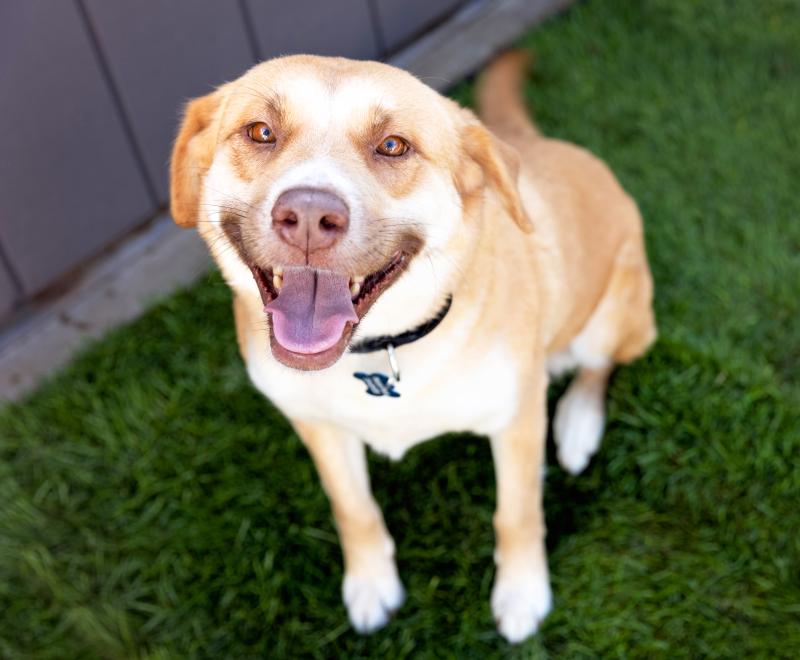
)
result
[(310, 312)]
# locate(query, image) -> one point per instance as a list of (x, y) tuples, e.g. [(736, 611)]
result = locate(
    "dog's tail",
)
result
[(499, 95)]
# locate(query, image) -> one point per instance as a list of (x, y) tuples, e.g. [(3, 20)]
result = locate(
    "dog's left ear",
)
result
[(191, 157), (499, 164)]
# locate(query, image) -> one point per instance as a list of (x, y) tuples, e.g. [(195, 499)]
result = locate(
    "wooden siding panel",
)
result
[(341, 28), (161, 54), (69, 183), (402, 20)]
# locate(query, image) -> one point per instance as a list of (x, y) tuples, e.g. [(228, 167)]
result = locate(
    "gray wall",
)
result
[(91, 91)]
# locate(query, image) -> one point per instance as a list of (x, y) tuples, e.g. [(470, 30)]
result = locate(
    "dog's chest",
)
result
[(435, 395)]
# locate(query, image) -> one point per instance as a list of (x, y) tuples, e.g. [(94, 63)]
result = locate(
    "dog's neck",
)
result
[(383, 342)]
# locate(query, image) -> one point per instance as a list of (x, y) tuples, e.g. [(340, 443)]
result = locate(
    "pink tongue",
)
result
[(310, 312)]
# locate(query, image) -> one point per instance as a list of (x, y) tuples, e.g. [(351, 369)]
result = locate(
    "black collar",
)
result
[(384, 341)]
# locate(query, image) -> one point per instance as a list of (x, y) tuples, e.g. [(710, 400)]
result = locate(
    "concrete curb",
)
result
[(115, 290)]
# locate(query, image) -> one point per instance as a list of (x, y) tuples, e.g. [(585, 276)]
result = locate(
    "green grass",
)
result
[(153, 505)]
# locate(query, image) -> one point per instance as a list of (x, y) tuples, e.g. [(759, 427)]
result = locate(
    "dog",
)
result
[(401, 268)]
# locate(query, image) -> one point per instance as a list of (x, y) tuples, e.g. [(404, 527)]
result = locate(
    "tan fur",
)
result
[(540, 248), (500, 166), (498, 96), (191, 158)]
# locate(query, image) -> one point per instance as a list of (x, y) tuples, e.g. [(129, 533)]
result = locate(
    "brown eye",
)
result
[(392, 146), (260, 132)]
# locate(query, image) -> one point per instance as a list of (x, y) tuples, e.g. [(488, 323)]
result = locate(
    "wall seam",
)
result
[(252, 38), (116, 98), (375, 20), (16, 282)]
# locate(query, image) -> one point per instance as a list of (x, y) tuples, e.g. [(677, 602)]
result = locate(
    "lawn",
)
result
[(153, 505)]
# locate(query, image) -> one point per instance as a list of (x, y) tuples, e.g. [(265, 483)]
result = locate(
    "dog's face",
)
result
[(331, 186)]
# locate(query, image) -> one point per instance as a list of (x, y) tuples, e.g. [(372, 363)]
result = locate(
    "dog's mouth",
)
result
[(312, 312)]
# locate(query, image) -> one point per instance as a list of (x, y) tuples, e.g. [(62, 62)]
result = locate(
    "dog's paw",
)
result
[(371, 599), (578, 428), (520, 603)]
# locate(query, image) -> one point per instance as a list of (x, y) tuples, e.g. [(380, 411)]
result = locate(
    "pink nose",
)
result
[(310, 219)]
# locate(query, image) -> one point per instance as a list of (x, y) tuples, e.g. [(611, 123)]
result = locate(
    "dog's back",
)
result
[(594, 217)]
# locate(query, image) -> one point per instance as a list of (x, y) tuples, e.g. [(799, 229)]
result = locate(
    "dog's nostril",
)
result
[(290, 220), (327, 223)]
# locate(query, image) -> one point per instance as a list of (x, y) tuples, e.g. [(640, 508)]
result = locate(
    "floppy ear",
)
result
[(499, 164), (191, 158)]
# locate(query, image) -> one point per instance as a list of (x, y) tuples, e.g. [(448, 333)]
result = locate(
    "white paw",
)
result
[(520, 603), (371, 599), (578, 427)]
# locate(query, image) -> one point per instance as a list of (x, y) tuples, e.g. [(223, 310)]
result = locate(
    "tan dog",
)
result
[(328, 188)]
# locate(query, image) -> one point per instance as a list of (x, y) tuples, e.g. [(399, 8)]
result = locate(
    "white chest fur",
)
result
[(441, 390)]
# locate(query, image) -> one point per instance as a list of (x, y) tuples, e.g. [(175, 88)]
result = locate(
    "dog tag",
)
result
[(379, 384)]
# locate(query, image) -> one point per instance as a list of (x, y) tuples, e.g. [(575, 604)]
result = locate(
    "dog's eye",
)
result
[(260, 132), (392, 146)]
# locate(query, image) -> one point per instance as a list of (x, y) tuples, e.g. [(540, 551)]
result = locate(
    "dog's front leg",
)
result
[(521, 595), (371, 587)]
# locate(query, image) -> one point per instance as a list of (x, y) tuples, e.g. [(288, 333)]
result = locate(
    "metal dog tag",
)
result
[(379, 384)]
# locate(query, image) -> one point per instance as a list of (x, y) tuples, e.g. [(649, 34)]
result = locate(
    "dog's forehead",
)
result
[(329, 92), (315, 102)]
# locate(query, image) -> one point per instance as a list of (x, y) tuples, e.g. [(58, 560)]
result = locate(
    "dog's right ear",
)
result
[(191, 157), (492, 162)]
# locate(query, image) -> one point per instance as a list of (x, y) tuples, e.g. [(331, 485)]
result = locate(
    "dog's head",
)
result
[(331, 186)]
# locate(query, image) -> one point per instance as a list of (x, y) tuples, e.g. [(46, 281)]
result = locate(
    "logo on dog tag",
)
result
[(378, 384)]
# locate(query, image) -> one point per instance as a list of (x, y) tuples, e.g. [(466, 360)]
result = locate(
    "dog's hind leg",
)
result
[(621, 329), (580, 418)]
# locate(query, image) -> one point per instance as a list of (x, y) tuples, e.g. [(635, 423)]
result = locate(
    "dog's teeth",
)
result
[(277, 282), (278, 270), (355, 285)]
